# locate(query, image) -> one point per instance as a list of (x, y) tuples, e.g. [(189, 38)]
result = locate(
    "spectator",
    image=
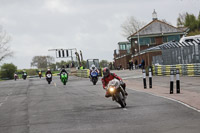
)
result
[(142, 64), (131, 65), (136, 64)]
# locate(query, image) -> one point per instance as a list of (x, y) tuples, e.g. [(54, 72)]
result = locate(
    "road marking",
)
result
[(1, 104), (187, 105), (55, 84), (132, 77)]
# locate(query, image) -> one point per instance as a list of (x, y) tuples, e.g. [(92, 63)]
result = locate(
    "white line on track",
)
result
[(1, 104), (193, 108), (55, 84), (132, 77)]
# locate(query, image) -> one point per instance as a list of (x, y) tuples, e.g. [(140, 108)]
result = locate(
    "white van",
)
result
[(189, 38)]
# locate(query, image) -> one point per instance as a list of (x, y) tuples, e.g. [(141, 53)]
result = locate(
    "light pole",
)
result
[(139, 42)]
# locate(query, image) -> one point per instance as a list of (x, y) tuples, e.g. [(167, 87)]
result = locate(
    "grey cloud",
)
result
[(92, 26)]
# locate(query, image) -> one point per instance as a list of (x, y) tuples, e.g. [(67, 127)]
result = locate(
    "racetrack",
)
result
[(33, 106)]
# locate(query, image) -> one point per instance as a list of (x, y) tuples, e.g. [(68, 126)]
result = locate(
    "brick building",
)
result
[(122, 55), (153, 34)]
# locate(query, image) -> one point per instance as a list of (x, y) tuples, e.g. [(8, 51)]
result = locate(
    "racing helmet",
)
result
[(93, 66), (106, 72)]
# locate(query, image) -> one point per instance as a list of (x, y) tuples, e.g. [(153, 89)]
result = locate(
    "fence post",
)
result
[(171, 81), (144, 78), (177, 81), (150, 77)]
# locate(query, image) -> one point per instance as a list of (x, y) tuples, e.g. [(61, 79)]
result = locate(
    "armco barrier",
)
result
[(184, 69), (83, 73)]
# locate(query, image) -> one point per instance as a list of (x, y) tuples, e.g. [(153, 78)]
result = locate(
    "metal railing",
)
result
[(178, 53)]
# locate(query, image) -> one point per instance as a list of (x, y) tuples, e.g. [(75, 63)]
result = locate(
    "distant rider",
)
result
[(107, 76), (15, 76), (63, 71), (24, 73), (93, 69), (40, 74), (48, 72)]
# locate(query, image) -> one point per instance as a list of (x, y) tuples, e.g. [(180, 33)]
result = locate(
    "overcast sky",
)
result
[(92, 26)]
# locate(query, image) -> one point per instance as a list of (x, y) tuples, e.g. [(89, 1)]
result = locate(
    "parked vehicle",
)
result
[(189, 38)]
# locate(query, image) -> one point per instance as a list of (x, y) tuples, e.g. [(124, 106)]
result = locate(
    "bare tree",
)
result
[(4, 48), (130, 26), (42, 61), (181, 20)]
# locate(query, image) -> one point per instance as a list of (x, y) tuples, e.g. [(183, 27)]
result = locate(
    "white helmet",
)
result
[(93, 66)]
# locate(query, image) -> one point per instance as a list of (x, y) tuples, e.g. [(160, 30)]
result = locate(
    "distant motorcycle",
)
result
[(117, 92), (94, 77), (24, 76), (15, 77), (40, 75), (64, 78), (49, 78)]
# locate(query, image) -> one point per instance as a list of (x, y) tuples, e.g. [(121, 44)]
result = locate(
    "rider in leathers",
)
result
[(93, 68), (63, 70), (107, 76), (48, 72)]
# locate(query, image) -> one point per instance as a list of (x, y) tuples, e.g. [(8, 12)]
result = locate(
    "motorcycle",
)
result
[(24, 76), (49, 78), (15, 77), (40, 75), (94, 77), (64, 78), (117, 92)]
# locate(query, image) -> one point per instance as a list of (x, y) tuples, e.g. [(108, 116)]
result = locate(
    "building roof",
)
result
[(125, 42), (169, 45), (158, 27)]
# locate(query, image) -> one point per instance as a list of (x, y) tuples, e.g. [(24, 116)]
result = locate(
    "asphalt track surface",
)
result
[(33, 106)]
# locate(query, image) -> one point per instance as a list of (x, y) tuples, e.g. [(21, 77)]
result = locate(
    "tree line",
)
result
[(191, 21)]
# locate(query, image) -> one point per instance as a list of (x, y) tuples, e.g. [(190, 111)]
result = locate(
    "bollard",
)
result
[(144, 78), (171, 81), (177, 81), (150, 77)]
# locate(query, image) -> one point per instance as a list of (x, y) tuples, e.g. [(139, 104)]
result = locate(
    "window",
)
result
[(144, 41), (153, 40), (173, 38), (122, 46), (128, 47), (164, 39)]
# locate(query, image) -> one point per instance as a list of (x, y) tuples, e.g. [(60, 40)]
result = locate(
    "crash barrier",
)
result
[(184, 69), (83, 73)]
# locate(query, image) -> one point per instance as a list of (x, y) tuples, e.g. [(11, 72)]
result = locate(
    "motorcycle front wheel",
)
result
[(120, 100)]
